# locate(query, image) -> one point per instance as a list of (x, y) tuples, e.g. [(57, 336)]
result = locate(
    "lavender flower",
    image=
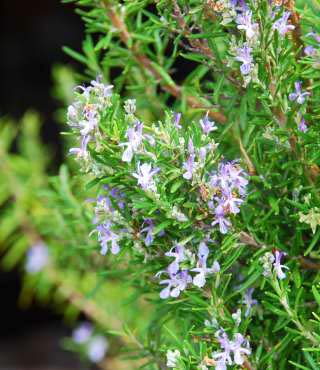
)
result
[(298, 95), (244, 56), (189, 167), (310, 51), (238, 347), (37, 258), (248, 301), (200, 279), (82, 333), (97, 348), (178, 252), (220, 219), (278, 267), (244, 21), (106, 237), (134, 135), (144, 175), (207, 126), (302, 124), (281, 24), (148, 226), (177, 118), (177, 282)]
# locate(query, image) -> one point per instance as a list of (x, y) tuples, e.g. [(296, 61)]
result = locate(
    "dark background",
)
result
[(32, 34)]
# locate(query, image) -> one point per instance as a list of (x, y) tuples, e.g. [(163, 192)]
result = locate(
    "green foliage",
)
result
[(179, 56)]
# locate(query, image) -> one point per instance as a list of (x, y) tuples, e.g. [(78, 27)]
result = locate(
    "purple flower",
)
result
[(230, 202), (106, 237), (310, 51), (82, 333), (248, 301), (144, 175), (37, 258), (202, 154), (177, 118), (238, 347), (241, 348), (81, 152), (298, 95), (178, 252), (189, 167), (206, 125), (244, 56), (281, 24), (177, 282), (148, 227), (244, 21), (302, 125), (97, 348), (223, 222), (134, 135), (277, 265), (200, 279)]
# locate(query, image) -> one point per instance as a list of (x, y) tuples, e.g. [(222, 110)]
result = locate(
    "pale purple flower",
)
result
[(310, 51), (200, 279), (244, 21), (82, 333), (277, 265), (189, 167), (97, 348), (81, 152), (282, 26), (248, 301), (238, 347), (298, 95), (223, 358), (177, 118), (302, 125), (148, 227), (178, 252), (37, 258), (202, 154), (207, 126), (177, 282), (100, 88), (134, 135), (244, 56), (220, 219), (107, 237), (144, 175), (230, 201), (234, 176)]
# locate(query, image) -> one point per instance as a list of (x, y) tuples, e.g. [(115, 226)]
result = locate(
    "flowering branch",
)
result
[(142, 59)]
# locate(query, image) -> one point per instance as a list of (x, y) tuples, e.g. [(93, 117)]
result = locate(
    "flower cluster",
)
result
[(179, 270), (95, 345), (109, 220), (233, 352), (85, 113), (228, 186)]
